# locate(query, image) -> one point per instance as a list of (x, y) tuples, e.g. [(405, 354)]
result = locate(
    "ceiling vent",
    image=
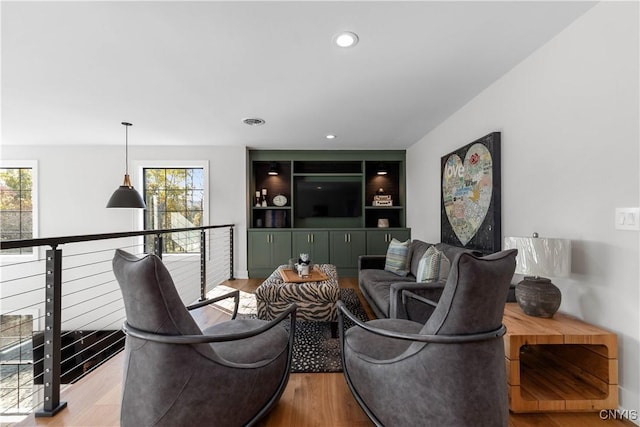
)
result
[(253, 121)]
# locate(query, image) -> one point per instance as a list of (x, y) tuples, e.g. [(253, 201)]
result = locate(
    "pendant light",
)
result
[(126, 196)]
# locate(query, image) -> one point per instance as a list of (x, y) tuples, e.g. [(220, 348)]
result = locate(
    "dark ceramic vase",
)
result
[(538, 297)]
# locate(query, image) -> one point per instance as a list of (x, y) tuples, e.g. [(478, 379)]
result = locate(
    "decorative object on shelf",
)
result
[(264, 198), (126, 196), (259, 222), (273, 169), (258, 202), (303, 266), (280, 200), (275, 218), (539, 257), (382, 170), (470, 203), (383, 222), (381, 199)]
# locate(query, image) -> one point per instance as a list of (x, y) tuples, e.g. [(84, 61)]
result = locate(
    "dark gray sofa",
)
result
[(383, 289)]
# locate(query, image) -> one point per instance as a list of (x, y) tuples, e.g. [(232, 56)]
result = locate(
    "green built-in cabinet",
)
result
[(329, 210)]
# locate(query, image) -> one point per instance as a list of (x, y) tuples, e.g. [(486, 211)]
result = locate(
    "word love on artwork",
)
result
[(453, 169)]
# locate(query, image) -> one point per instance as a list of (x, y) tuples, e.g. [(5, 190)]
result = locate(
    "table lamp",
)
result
[(539, 258)]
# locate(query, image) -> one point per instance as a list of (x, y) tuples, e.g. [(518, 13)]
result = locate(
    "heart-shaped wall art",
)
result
[(466, 190)]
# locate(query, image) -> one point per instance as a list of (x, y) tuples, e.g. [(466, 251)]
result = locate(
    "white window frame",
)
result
[(33, 165), (141, 165)]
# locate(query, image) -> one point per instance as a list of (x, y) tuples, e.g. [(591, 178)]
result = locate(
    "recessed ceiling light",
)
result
[(253, 121), (346, 39), (330, 136)]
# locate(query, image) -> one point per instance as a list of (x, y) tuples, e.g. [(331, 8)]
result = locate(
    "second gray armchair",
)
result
[(447, 372)]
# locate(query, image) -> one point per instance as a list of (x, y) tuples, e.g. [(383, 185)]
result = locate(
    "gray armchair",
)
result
[(229, 374), (449, 371)]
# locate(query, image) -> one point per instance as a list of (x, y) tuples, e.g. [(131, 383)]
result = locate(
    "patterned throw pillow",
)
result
[(396, 261), (433, 266)]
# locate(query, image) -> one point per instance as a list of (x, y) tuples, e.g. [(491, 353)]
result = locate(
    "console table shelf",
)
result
[(559, 364)]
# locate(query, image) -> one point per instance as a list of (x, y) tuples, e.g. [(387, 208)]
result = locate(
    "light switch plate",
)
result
[(627, 219)]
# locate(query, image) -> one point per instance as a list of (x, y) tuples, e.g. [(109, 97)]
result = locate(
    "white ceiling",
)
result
[(189, 72)]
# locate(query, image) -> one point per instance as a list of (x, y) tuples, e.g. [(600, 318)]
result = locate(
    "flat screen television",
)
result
[(336, 198)]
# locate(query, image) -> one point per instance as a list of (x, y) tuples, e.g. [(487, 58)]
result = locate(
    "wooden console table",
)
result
[(559, 364)]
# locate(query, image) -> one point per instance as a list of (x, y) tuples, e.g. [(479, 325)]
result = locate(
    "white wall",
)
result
[(569, 119), (75, 183)]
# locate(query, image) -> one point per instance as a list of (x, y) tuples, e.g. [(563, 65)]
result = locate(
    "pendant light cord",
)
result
[(126, 145), (126, 149)]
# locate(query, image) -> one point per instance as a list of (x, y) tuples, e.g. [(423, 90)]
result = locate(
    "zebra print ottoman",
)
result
[(315, 300)]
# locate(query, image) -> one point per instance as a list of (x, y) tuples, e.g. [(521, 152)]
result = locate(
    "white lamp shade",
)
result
[(540, 256)]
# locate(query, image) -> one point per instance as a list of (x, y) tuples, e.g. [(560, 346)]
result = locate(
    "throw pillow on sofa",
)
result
[(433, 266), (396, 261)]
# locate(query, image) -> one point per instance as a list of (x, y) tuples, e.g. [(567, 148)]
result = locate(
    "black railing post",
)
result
[(157, 245), (231, 277), (203, 265), (52, 330)]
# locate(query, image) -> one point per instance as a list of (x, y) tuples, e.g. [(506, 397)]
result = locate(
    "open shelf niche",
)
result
[(391, 184), (270, 216)]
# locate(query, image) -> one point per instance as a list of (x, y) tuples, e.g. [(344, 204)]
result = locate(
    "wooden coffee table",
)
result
[(559, 363)]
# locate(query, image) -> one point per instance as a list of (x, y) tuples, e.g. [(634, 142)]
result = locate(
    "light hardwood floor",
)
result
[(310, 400)]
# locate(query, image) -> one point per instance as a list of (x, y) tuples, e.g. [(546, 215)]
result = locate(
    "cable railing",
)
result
[(61, 314)]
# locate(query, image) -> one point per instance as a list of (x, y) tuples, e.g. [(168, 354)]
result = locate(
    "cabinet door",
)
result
[(346, 247), (269, 249), (280, 248), (259, 249), (378, 240), (315, 243), (358, 246), (320, 247)]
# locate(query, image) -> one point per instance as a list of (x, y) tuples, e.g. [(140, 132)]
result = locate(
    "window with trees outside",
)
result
[(175, 198), (17, 207)]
